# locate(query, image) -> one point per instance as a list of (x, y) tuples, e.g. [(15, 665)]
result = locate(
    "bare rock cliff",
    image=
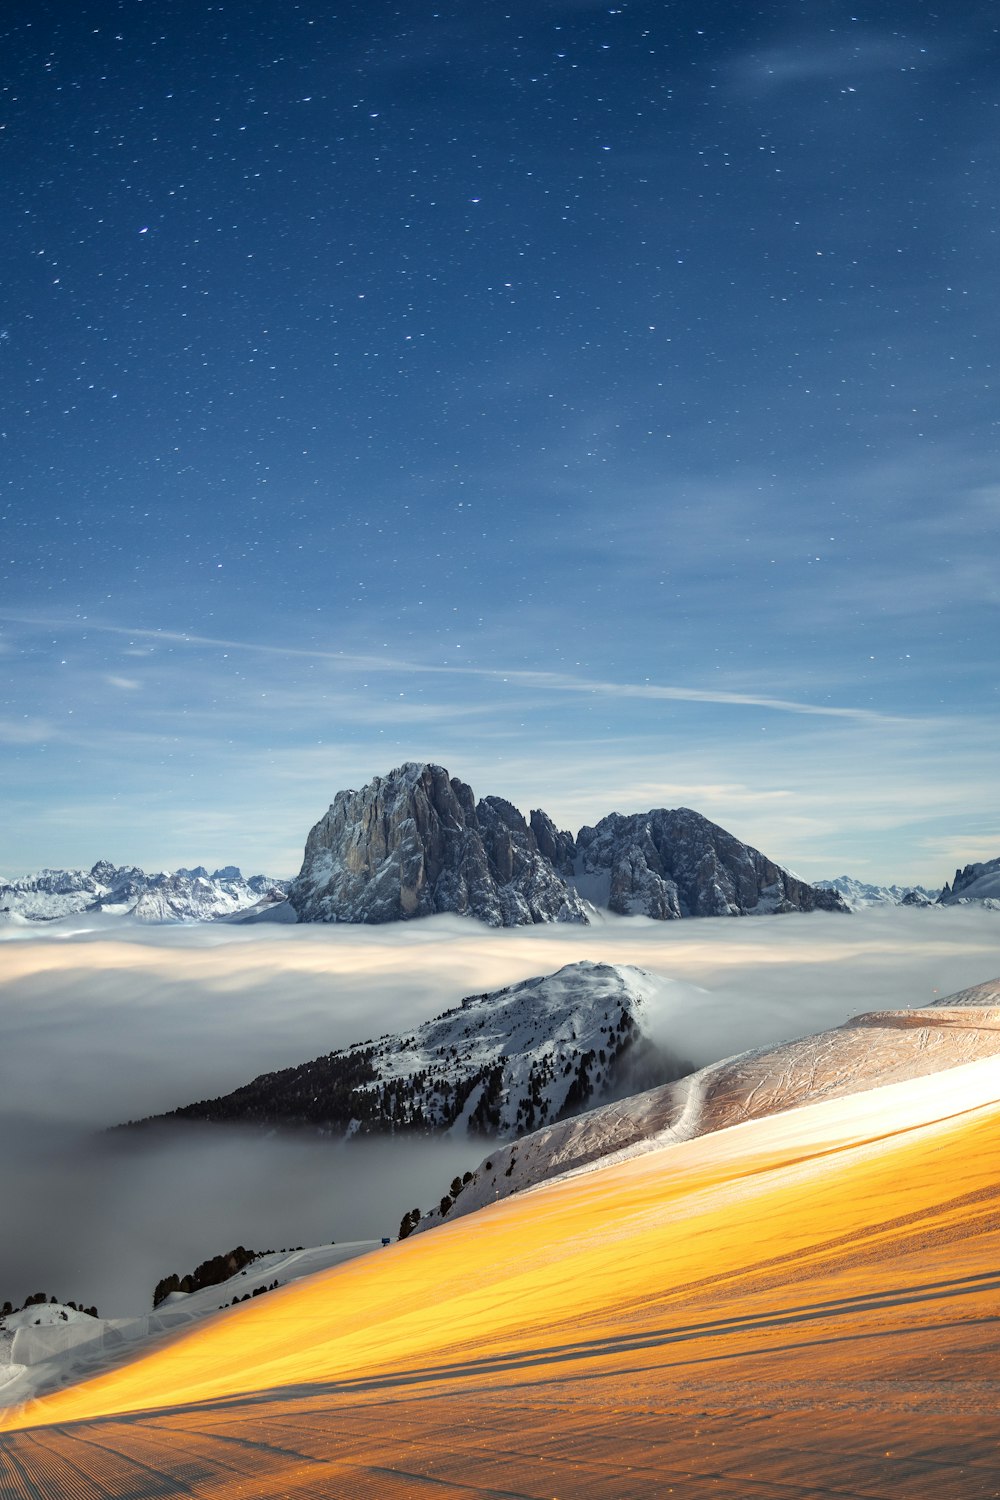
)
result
[(416, 842)]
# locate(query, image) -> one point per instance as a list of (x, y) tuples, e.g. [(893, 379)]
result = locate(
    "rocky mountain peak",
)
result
[(416, 842), (859, 894), (673, 862)]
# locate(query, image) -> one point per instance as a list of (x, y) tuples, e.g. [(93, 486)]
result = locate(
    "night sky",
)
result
[(599, 400)]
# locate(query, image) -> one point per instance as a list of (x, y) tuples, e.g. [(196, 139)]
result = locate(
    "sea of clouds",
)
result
[(107, 1020)]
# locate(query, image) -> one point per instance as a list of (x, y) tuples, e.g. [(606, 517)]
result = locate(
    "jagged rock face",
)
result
[(559, 848), (416, 842), (675, 863)]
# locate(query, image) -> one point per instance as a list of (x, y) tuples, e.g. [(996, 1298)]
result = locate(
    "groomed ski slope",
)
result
[(801, 1305)]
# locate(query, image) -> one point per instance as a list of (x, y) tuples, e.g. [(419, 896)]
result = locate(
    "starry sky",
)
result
[(600, 400)]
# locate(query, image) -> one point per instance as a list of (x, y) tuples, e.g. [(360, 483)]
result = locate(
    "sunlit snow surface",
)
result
[(798, 1306)]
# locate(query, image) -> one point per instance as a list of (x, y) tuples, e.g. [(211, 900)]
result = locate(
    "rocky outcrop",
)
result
[(675, 863), (559, 848), (978, 882), (916, 897), (416, 842)]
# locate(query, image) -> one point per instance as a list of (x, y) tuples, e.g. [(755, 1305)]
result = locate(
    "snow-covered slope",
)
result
[(800, 1306), (183, 896), (859, 894), (499, 1064), (979, 883), (871, 1050), (49, 1346)]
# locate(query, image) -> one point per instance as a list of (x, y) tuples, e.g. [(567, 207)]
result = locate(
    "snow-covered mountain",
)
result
[(498, 1065), (416, 841), (867, 1052), (181, 896), (859, 894), (979, 883)]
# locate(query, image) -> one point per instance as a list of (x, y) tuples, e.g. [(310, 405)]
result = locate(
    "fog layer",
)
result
[(114, 1021)]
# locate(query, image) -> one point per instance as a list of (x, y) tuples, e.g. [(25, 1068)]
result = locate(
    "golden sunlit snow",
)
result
[(801, 1305)]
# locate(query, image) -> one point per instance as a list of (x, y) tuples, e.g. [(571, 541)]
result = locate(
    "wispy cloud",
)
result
[(812, 57), (966, 846), (559, 682), (25, 731)]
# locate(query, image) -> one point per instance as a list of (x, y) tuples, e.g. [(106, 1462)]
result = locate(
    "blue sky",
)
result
[(598, 400)]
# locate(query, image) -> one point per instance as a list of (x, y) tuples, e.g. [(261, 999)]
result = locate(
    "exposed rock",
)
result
[(415, 842), (675, 863), (558, 847)]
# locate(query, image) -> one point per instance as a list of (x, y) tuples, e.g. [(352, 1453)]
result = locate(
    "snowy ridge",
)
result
[(871, 1050), (984, 995), (497, 1065), (182, 896)]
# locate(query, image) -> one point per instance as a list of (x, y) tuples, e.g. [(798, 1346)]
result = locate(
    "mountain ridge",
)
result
[(495, 1066)]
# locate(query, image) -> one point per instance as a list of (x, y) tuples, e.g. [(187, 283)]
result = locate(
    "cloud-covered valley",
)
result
[(106, 1021)]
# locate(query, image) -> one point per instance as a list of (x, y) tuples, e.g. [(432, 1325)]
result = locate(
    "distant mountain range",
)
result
[(181, 896), (859, 894), (976, 884), (497, 1065), (417, 841)]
